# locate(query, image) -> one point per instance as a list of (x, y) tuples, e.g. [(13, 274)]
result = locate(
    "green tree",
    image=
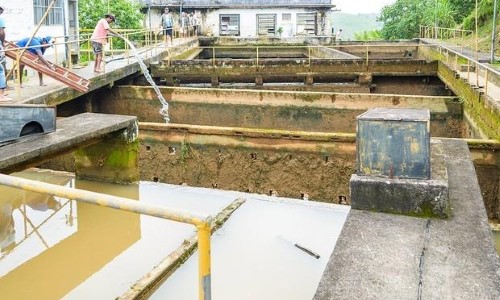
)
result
[(402, 20), (371, 35), (461, 9), (127, 12), (484, 15), (440, 14)]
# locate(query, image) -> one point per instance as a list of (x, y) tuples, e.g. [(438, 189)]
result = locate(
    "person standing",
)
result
[(36, 46), (184, 23), (196, 24), (3, 80), (338, 36), (99, 38), (167, 22), (190, 23)]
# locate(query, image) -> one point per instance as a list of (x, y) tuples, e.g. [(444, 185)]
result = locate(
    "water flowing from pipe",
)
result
[(164, 109)]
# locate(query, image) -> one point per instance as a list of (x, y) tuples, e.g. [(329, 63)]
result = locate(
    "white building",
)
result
[(23, 16), (247, 18)]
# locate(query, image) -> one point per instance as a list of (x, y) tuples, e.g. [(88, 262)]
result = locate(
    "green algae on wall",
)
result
[(475, 102), (115, 159)]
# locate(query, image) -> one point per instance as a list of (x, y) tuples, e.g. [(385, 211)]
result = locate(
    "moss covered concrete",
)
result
[(476, 104), (115, 159)]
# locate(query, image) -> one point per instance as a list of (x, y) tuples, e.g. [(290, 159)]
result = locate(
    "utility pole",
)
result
[(477, 54), (493, 32)]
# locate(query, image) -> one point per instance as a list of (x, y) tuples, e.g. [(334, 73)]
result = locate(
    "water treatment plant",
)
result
[(266, 142)]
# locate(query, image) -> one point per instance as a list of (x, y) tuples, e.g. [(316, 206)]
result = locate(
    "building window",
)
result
[(55, 16), (229, 25), (266, 24), (306, 24)]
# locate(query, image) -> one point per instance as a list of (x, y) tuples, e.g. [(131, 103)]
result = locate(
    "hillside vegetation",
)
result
[(402, 20), (355, 24)]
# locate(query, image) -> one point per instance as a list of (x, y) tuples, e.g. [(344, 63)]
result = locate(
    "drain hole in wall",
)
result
[(171, 150), (253, 156), (155, 179)]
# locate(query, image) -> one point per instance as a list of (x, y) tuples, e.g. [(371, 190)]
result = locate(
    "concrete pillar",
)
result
[(170, 81), (88, 103), (497, 208), (114, 159), (215, 80), (365, 78), (309, 80), (259, 81)]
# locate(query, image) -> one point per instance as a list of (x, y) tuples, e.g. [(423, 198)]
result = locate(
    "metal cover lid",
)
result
[(396, 114)]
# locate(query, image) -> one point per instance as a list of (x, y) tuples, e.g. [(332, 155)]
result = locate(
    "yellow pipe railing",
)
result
[(202, 223), (361, 49), (432, 32)]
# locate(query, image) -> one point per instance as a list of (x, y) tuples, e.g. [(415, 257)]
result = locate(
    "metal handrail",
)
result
[(472, 60), (434, 32), (202, 223)]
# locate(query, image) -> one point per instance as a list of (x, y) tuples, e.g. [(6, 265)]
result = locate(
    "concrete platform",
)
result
[(71, 133), (117, 67), (384, 256)]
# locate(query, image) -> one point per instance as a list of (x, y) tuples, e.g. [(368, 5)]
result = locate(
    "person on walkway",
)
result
[(196, 24), (3, 61), (167, 22), (338, 36), (184, 23), (99, 38), (36, 46)]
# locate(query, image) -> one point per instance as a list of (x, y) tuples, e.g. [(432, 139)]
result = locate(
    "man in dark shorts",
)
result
[(100, 38), (167, 23)]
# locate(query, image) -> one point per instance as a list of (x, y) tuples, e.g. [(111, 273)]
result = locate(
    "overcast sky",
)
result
[(361, 6)]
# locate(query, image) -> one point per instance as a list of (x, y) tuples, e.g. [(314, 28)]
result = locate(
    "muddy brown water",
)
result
[(54, 248)]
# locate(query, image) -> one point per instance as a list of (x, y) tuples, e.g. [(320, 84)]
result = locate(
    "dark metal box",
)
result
[(21, 120), (394, 143)]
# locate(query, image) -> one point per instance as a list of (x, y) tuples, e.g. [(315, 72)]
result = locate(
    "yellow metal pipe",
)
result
[(204, 269), (202, 223), (105, 200)]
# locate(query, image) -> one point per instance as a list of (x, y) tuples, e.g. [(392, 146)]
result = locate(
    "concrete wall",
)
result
[(304, 111), (483, 111), (316, 165), (257, 160)]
